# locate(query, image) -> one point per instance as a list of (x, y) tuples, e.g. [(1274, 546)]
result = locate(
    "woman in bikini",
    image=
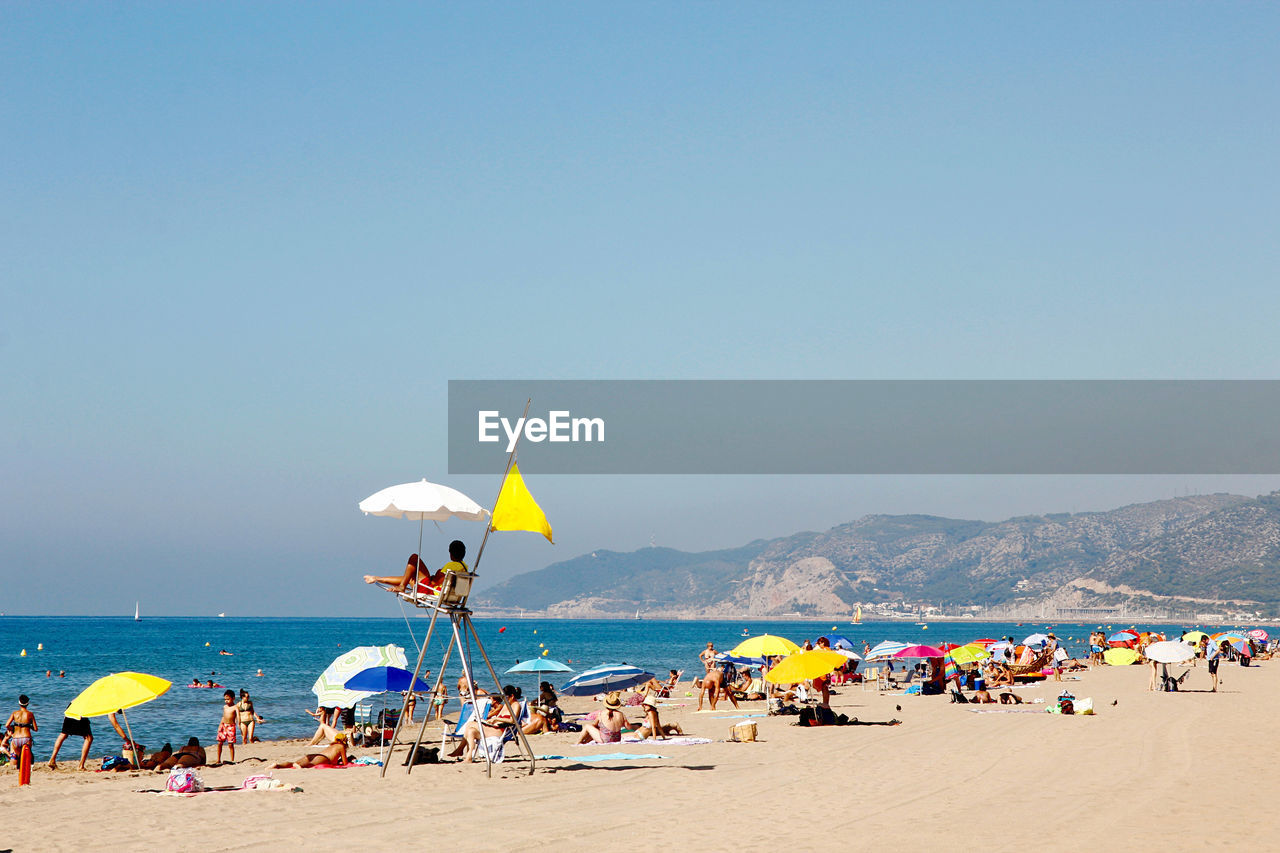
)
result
[(20, 727), (334, 755), (246, 718), (609, 723)]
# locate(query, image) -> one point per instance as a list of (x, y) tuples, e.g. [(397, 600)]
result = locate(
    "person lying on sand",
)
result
[(191, 755), (334, 755), (983, 697), (157, 758), (1007, 698)]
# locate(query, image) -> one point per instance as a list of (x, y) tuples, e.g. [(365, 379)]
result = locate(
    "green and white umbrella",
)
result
[(330, 687)]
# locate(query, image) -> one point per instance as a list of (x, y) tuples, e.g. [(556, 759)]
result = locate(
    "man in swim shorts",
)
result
[(72, 727)]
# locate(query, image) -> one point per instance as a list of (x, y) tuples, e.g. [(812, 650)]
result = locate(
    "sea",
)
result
[(64, 655)]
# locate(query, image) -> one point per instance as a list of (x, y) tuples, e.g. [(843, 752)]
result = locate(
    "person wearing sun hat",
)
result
[(609, 722), (653, 727)]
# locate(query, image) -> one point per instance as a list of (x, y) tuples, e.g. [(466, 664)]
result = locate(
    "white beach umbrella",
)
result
[(423, 501), (1169, 651)]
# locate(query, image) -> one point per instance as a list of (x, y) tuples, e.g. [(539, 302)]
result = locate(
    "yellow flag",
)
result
[(517, 510)]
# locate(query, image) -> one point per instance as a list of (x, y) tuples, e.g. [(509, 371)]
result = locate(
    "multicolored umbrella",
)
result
[(971, 653), (331, 687)]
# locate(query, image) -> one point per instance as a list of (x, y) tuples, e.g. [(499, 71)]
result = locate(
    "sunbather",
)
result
[(983, 697), (653, 727), (334, 755), (609, 722), (1002, 676), (498, 720), (191, 755)]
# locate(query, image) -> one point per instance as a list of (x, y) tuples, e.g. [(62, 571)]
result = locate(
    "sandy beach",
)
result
[(1148, 770)]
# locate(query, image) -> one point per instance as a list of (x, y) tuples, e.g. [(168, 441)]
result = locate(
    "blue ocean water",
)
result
[(292, 652)]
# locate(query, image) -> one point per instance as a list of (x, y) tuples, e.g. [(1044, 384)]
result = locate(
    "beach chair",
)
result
[(871, 678), (664, 692), (465, 715), (453, 592)]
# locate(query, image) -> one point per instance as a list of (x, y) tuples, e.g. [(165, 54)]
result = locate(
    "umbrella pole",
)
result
[(422, 653), (133, 747), (511, 711)]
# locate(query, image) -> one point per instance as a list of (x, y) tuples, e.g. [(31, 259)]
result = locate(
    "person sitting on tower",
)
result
[(427, 584)]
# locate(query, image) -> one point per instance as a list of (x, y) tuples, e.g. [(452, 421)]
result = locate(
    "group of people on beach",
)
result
[(238, 717)]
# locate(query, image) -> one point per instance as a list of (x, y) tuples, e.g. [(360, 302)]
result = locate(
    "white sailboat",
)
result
[(136, 612)]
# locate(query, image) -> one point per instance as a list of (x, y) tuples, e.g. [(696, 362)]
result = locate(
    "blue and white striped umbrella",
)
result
[(602, 679), (885, 650)]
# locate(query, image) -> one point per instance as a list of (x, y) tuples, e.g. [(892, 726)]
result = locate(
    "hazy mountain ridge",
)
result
[(1204, 547)]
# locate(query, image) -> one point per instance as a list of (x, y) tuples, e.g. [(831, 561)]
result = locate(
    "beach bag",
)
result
[(1060, 654), (743, 732), (184, 780), (423, 755), (115, 762)]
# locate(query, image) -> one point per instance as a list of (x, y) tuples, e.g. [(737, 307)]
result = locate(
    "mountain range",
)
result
[(1182, 555)]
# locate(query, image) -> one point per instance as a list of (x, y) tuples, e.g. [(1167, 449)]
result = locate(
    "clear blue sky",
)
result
[(244, 247)]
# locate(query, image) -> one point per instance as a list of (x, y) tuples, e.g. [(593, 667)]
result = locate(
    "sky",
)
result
[(244, 247)]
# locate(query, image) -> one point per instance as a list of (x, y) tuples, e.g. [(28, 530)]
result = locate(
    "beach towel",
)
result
[(670, 741), (607, 756), (1015, 710)]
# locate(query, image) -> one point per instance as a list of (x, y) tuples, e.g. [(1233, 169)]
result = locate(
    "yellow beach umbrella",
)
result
[(1120, 656), (804, 666), (971, 653), (1193, 637), (116, 692), (763, 646)]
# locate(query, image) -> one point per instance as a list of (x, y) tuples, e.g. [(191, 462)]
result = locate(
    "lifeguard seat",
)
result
[(452, 594)]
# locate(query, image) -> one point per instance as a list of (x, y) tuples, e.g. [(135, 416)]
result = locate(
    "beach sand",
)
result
[(1155, 771)]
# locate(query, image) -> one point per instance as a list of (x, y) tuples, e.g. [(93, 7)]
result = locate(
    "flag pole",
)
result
[(511, 459)]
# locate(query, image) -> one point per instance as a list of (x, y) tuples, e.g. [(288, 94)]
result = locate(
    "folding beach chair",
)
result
[(871, 679), (664, 692), (465, 715)]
